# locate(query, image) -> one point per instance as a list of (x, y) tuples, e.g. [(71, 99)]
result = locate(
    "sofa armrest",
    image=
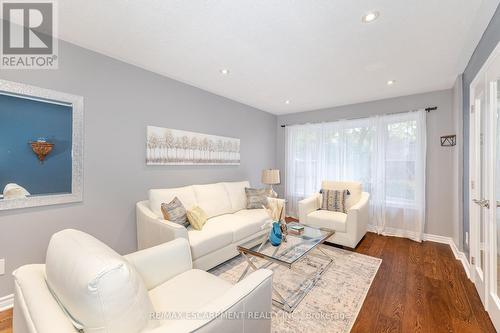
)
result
[(162, 262), (357, 217), (307, 206), (362, 203), (247, 287), (236, 310), (35, 309), (152, 230)]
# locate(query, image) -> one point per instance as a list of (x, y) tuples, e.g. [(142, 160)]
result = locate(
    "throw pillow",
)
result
[(175, 212), (334, 200), (256, 198), (197, 217)]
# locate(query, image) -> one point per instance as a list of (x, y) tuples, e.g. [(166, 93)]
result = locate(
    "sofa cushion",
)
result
[(241, 226), (98, 288), (237, 196), (355, 189), (187, 291), (213, 199), (211, 238), (328, 219), (159, 196), (259, 215)]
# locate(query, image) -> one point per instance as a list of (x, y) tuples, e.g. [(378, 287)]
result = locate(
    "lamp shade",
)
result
[(270, 176)]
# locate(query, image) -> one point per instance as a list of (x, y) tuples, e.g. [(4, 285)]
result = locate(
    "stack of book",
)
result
[(295, 229)]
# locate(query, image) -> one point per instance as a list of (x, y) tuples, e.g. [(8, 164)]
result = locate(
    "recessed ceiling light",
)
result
[(370, 17), (287, 101), (391, 82), (224, 71)]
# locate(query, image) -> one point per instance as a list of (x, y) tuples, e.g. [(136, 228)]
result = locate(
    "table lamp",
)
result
[(271, 177)]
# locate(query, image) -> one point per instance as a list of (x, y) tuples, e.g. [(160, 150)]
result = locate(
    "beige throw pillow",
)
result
[(256, 197), (197, 217)]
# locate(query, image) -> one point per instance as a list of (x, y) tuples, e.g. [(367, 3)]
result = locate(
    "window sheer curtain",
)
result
[(386, 153)]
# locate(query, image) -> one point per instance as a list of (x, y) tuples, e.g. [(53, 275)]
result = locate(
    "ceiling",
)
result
[(315, 54)]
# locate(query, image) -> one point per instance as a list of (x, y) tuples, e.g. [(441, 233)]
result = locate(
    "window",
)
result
[(400, 162), (385, 153)]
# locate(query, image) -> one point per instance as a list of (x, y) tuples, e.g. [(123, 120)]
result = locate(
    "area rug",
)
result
[(334, 302)]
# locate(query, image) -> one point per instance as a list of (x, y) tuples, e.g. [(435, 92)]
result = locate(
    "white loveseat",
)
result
[(229, 222), (349, 228), (86, 285)]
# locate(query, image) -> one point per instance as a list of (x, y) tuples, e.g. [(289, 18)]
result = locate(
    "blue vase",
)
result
[(275, 234)]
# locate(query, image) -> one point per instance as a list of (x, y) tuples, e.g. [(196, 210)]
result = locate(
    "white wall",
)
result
[(440, 179)]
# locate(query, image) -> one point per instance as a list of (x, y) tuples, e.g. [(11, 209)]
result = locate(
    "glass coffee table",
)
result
[(296, 247)]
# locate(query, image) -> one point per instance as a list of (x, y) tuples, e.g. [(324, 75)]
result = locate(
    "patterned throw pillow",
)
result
[(197, 218), (174, 211), (256, 197), (334, 200)]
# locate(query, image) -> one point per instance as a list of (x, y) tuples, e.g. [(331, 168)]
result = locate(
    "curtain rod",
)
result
[(427, 109)]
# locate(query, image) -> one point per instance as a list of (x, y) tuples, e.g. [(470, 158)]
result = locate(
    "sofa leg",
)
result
[(340, 246), (332, 244)]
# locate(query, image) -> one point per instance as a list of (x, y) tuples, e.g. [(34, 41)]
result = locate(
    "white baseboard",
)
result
[(460, 256), (437, 238), (456, 252), (433, 238), (6, 302)]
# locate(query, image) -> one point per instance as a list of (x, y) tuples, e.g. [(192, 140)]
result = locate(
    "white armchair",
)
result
[(86, 285), (349, 228)]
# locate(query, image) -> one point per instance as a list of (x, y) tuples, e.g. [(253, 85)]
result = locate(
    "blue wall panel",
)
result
[(23, 120)]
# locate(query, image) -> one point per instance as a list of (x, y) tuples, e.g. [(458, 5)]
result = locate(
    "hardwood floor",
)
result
[(6, 321), (420, 287)]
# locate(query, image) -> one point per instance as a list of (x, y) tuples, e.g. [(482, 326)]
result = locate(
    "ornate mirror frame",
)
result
[(50, 96)]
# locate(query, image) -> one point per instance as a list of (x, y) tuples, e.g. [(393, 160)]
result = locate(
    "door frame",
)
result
[(475, 169), (491, 295)]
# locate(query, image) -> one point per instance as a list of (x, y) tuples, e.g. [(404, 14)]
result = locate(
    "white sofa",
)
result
[(86, 285), (349, 228), (229, 222)]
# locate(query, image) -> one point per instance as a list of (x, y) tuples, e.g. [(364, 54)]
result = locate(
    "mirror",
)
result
[(41, 146)]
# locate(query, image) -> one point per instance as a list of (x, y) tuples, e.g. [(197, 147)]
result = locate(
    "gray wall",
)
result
[(120, 101), (487, 44), (439, 159), (457, 169)]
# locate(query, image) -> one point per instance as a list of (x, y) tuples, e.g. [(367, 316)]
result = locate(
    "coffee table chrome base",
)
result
[(290, 302)]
